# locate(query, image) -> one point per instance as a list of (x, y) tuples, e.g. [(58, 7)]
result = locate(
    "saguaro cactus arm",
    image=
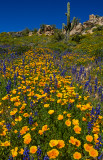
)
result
[(73, 23), (63, 26)]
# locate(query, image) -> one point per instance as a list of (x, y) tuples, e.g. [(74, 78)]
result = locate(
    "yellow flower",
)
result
[(60, 117), (53, 143), (59, 100), (75, 121), (89, 138), (64, 112), (27, 140), (40, 132), (18, 119), (77, 129), (25, 115), (53, 153), (77, 155), (93, 152), (72, 140), (51, 111), (15, 131), (17, 103), (69, 115), (45, 128), (71, 100), (60, 144), (84, 119), (21, 151), (59, 95), (46, 105), (68, 122), (14, 152), (33, 149), (87, 147), (78, 106), (6, 143), (77, 143)]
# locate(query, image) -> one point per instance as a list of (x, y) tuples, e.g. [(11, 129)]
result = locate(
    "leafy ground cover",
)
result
[(51, 106)]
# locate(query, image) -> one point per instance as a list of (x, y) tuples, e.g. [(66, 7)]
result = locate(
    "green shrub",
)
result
[(99, 28), (58, 36), (77, 38), (21, 49), (25, 32)]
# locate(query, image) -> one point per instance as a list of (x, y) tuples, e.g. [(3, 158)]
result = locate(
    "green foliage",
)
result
[(58, 36), (77, 38), (99, 28), (25, 32), (42, 27), (21, 49), (53, 26), (35, 30)]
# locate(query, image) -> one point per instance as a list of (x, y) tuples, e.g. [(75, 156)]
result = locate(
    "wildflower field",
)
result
[(51, 106)]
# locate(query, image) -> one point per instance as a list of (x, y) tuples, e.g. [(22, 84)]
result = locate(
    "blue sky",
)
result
[(16, 15)]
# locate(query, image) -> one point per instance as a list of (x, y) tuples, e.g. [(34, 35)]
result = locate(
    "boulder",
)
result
[(77, 29), (30, 33), (48, 30)]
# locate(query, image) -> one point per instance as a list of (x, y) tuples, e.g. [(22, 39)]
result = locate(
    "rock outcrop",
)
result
[(77, 29), (87, 26), (30, 34), (48, 30)]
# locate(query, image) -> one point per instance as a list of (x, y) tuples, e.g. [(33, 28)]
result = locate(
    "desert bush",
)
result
[(21, 49), (99, 28), (58, 36), (25, 32), (42, 27), (77, 38)]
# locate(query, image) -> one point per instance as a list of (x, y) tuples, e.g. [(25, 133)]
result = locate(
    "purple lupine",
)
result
[(4, 67), (39, 152), (90, 89), (26, 154), (89, 78), (102, 97), (30, 120), (10, 158), (98, 144), (19, 135), (101, 156), (36, 113), (8, 87), (70, 106), (89, 127), (8, 126), (46, 158), (86, 84), (96, 81)]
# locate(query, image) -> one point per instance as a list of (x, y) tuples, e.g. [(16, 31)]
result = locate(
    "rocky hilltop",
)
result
[(87, 26), (84, 28)]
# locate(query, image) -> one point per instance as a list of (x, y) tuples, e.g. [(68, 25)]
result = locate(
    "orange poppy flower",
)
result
[(87, 147), (53, 153), (33, 149), (89, 138), (77, 155), (77, 129), (93, 152)]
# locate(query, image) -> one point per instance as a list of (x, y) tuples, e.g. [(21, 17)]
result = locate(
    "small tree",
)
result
[(25, 32), (42, 27), (35, 30), (53, 26)]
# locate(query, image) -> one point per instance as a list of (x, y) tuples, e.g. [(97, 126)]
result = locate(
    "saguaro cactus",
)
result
[(69, 26)]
